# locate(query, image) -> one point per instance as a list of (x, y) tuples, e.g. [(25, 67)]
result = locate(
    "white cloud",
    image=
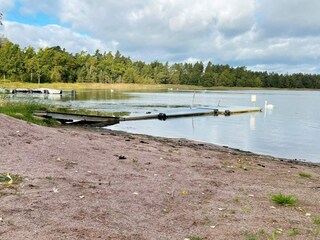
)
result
[(53, 35), (246, 32)]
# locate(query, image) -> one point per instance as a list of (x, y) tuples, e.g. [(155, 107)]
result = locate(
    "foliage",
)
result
[(55, 64), (284, 200)]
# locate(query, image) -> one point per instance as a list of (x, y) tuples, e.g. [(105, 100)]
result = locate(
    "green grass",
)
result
[(305, 175), (24, 111), (284, 200), (195, 238), (236, 199), (295, 232), (250, 236), (316, 220)]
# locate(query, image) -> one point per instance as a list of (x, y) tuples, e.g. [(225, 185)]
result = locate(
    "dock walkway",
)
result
[(99, 121), (31, 90), (189, 112)]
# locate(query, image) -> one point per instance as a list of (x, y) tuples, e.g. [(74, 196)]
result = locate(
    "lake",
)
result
[(290, 130)]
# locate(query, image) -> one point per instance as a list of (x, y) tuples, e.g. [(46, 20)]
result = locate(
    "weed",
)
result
[(7, 179), (246, 209), (242, 166), (207, 219), (316, 231), (262, 231), (236, 199), (305, 175), (294, 232), (24, 111), (284, 200), (316, 220), (195, 238), (250, 236), (226, 164)]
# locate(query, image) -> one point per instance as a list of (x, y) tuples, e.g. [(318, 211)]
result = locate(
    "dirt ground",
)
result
[(88, 184)]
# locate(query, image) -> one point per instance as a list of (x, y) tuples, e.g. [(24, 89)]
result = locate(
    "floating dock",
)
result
[(73, 118), (32, 90), (189, 112), (99, 121)]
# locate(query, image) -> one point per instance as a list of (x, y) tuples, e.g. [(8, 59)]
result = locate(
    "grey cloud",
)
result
[(293, 18), (248, 32)]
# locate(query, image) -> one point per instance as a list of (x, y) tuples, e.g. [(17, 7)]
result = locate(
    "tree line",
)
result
[(54, 64)]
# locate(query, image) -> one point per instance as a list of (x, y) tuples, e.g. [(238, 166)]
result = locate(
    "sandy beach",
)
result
[(87, 184)]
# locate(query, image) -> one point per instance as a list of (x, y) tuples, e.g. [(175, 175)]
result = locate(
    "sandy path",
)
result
[(76, 186)]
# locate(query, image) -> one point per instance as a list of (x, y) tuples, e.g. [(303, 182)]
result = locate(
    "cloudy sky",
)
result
[(272, 35)]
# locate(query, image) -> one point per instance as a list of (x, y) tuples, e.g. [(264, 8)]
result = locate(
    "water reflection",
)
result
[(252, 122)]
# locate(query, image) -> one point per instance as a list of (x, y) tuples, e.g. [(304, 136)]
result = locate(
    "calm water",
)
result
[(290, 130)]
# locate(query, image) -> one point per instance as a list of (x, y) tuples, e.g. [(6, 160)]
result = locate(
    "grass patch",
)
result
[(284, 200), (24, 111), (250, 236), (195, 238), (295, 232), (236, 199), (9, 184), (316, 220), (13, 178), (305, 175)]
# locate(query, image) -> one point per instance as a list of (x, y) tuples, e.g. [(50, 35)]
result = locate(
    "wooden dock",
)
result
[(81, 119), (32, 90), (189, 112), (99, 121)]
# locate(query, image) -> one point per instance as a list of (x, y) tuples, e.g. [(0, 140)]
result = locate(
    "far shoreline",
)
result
[(135, 86)]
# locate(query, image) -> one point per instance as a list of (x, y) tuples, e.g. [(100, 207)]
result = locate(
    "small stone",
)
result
[(81, 196), (135, 193), (212, 226), (273, 207), (308, 214)]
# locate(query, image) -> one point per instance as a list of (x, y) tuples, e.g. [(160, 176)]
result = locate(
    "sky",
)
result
[(264, 35)]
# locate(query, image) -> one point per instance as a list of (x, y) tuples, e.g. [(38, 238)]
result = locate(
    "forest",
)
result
[(55, 64)]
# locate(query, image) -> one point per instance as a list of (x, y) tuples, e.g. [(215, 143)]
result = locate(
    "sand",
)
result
[(89, 184)]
